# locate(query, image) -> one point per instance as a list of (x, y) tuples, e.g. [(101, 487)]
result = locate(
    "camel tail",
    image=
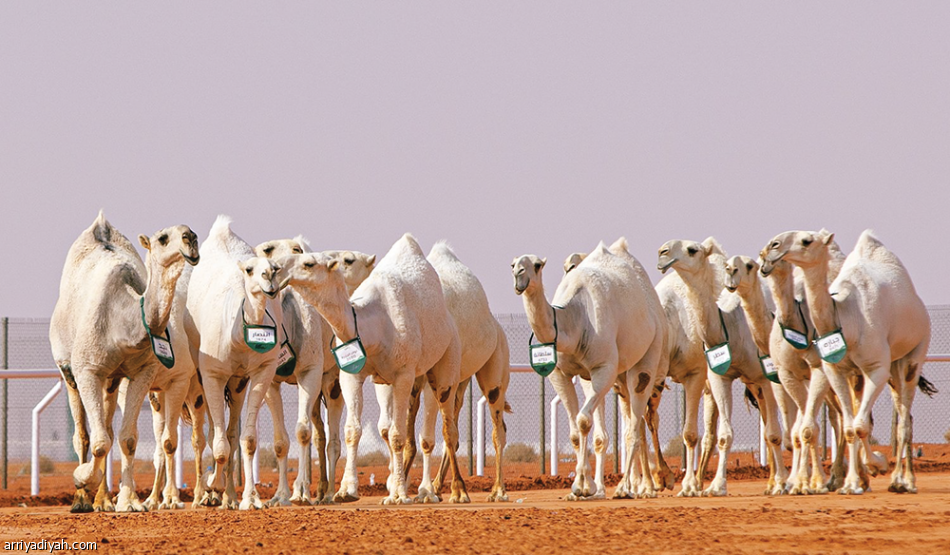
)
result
[(926, 387), (508, 408), (751, 400)]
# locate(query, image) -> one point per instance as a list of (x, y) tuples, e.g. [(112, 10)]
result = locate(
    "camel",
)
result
[(396, 329), (869, 322), (309, 335), (606, 322), (110, 323), (233, 321), (731, 351), (484, 348), (790, 372), (682, 352)]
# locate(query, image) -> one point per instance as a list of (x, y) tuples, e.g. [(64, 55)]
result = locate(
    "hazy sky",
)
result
[(505, 127)]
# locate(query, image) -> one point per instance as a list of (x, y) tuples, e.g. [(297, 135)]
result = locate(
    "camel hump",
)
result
[(602, 248), (221, 227), (102, 230), (410, 242), (442, 249), (868, 243), (620, 246)]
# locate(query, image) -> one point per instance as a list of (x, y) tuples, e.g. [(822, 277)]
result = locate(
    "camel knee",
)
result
[(583, 424), (99, 449), (807, 433), (352, 433), (280, 448), (850, 435), (600, 443), (128, 446), (426, 446), (249, 443), (725, 440), (576, 441), (691, 438), (303, 434), (775, 440), (169, 446)]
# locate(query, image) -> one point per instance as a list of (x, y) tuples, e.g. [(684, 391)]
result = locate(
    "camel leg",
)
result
[(836, 478), (281, 443), (600, 441), (564, 388), (384, 397), (663, 477), (334, 401), (769, 412), (257, 389), (625, 488), (722, 393), (415, 403), (428, 492), (171, 410), (639, 390), (842, 387), (198, 443), (876, 376), (309, 382), (156, 402), (319, 435), (352, 388), (798, 481), (396, 396), (128, 500), (456, 411), (88, 475), (693, 387), (710, 430), (220, 444), (493, 381), (905, 380)]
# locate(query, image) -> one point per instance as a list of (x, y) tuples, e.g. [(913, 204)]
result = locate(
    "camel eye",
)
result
[(268, 250), (297, 250), (807, 241), (163, 239), (748, 266), (692, 250), (309, 265), (512, 265), (250, 271), (349, 261)]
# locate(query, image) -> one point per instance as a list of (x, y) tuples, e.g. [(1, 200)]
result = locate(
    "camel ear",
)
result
[(332, 265), (826, 236), (143, 240), (370, 260), (240, 265)]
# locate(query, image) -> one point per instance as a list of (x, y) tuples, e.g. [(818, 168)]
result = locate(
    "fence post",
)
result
[(541, 443), (6, 411), (471, 436)]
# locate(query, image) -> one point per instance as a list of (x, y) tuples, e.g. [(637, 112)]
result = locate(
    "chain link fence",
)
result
[(26, 346)]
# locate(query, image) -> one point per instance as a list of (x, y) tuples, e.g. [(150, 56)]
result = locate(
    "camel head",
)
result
[(802, 248), (356, 266), (573, 260), (275, 250), (171, 245), (686, 256), (741, 274), (527, 272), (311, 272), (260, 276)]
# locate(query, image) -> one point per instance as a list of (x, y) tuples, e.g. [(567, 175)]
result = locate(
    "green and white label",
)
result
[(795, 338), (543, 358), (719, 358), (163, 350), (832, 347), (350, 356), (286, 360), (260, 338), (769, 369)]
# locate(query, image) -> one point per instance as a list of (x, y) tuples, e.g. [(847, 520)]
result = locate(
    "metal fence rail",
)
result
[(25, 348)]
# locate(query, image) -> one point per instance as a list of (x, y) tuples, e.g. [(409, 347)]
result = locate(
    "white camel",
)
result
[(484, 355), (395, 329), (606, 322), (870, 320), (731, 351), (108, 324), (234, 324)]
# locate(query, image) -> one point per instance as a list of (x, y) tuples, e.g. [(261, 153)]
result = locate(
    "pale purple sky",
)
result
[(505, 127)]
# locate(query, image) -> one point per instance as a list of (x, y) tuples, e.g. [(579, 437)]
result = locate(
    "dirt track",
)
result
[(743, 522)]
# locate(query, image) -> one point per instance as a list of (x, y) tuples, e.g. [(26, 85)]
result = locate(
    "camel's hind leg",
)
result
[(352, 388), (722, 392), (128, 500), (430, 420), (103, 501), (600, 443), (769, 412), (493, 381), (196, 411), (693, 387), (710, 431), (330, 452), (155, 401), (281, 444), (905, 375), (444, 380), (662, 475)]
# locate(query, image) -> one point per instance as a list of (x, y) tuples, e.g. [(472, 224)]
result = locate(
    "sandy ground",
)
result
[(535, 521)]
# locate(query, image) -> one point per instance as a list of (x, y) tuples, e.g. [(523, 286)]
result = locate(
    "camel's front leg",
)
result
[(138, 386), (773, 434), (352, 388), (639, 385), (842, 388), (281, 444), (564, 388), (722, 393), (257, 389), (309, 382), (601, 441), (198, 443), (330, 454), (444, 466), (174, 400), (88, 475), (663, 477), (693, 388), (156, 403), (220, 444), (493, 381), (430, 406), (710, 431), (397, 397)]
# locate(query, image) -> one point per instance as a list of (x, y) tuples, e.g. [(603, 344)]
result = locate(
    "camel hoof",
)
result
[(570, 497), (211, 499), (153, 504), (278, 501), (170, 505), (501, 497), (81, 502), (345, 497), (461, 498), (427, 497), (250, 503)]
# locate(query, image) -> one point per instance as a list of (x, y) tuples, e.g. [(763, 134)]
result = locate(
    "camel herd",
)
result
[(198, 331)]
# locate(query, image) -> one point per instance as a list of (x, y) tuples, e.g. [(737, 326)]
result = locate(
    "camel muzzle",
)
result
[(191, 260), (664, 267)]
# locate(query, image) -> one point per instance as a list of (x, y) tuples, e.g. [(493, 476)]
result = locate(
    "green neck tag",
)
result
[(795, 338), (259, 337), (719, 358), (286, 356), (544, 356), (769, 369), (161, 346), (832, 346), (350, 356)]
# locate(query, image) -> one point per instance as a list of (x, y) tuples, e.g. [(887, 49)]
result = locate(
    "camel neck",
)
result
[(786, 308), (701, 295), (254, 310), (334, 306), (759, 316), (820, 302), (540, 314), (159, 294)]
